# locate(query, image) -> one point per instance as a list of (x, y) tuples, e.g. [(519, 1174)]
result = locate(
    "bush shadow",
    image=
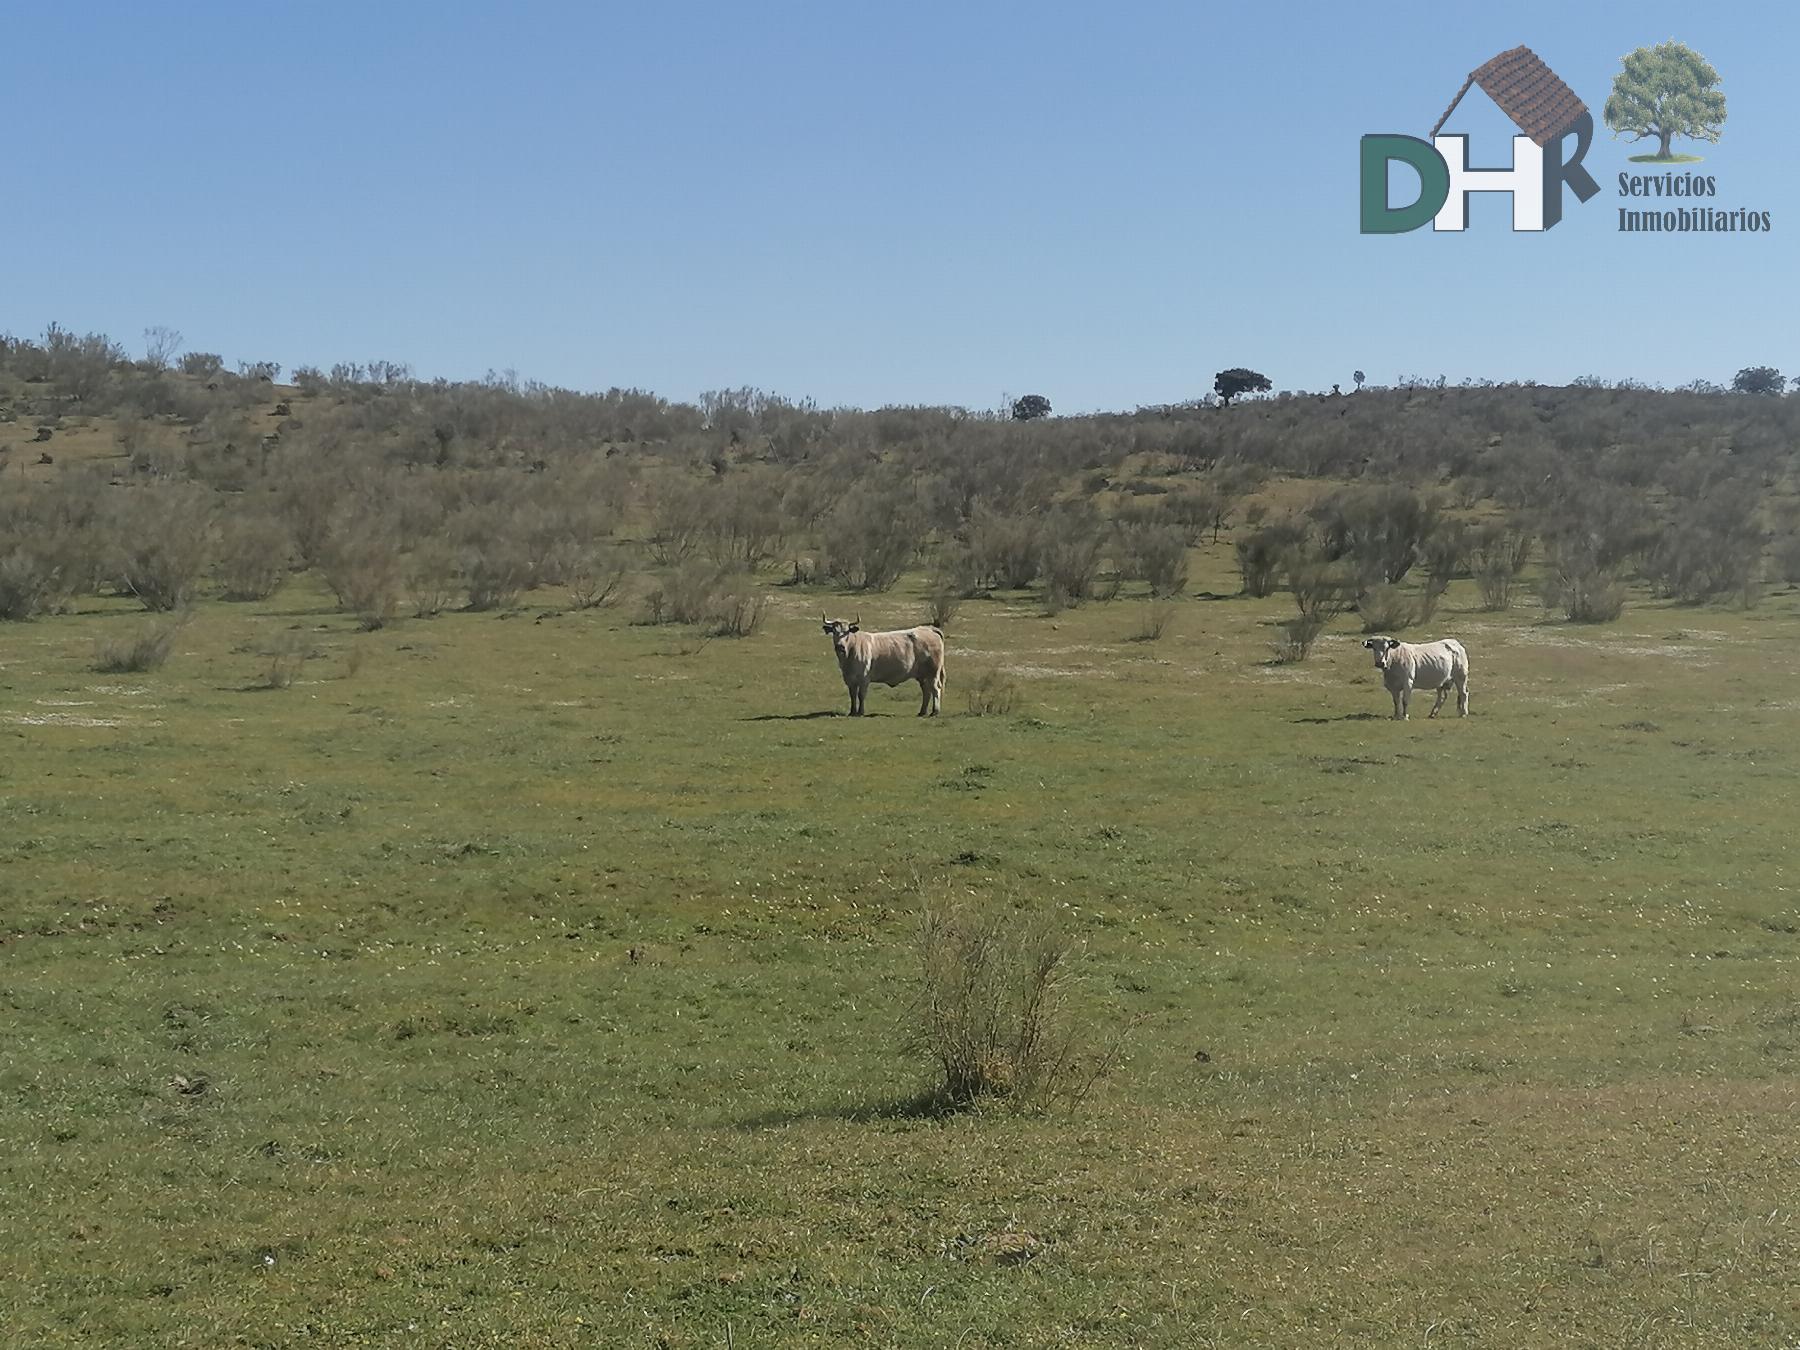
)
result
[(927, 1104)]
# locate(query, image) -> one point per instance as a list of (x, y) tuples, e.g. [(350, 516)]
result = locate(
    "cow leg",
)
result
[(937, 692), (862, 698), (1443, 691), (924, 696), (1462, 697), (1399, 705)]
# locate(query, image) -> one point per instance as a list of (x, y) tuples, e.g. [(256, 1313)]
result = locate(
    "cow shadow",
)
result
[(809, 717), (1343, 717)]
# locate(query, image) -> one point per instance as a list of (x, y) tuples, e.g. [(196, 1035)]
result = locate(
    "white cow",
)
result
[(1406, 666), (889, 658)]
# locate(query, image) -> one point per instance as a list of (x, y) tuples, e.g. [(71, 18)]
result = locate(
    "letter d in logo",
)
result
[(1434, 183)]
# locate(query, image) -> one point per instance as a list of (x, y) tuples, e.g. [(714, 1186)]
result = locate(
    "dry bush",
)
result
[(1157, 554), (593, 576), (1005, 553), (739, 607), (1713, 546), (1583, 590), (1074, 548), (1381, 531), (162, 543), (994, 1016), (32, 581), (870, 537), (1298, 636), (253, 558), (430, 578), (146, 649), (745, 525), (1386, 609), (287, 656), (308, 501), (1321, 590), (1156, 621), (1264, 552), (364, 567), (1497, 556), (1787, 559), (992, 694), (494, 552), (943, 602), (679, 519), (688, 595)]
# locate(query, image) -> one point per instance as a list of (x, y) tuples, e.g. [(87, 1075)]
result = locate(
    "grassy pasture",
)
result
[(536, 979)]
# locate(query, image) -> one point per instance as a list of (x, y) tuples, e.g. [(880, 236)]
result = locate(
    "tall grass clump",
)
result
[(994, 1017), (1156, 621), (146, 649), (992, 694)]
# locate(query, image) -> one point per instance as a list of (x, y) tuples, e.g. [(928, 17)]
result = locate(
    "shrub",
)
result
[(679, 513), (870, 538), (1263, 553), (1321, 590), (992, 694), (287, 656), (253, 558), (496, 571), (146, 649), (1156, 554), (594, 577), (429, 578), (1071, 567), (1156, 621), (163, 543), (943, 601), (1298, 636), (363, 566), (1497, 555), (739, 607), (689, 595), (1385, 609), (1381, 531), (1005, 552), (994, 1015), (1787, 559), (1583, 590), (32, 581)]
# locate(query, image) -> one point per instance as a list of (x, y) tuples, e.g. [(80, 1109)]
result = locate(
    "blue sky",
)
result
[(922, 203)]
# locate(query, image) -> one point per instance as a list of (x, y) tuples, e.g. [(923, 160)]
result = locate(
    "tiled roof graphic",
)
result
[(1526, 90)]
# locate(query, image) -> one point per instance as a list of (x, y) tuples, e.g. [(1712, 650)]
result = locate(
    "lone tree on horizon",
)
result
[(1228, 384), (1030, 407), (1666, 91), (1759, 380)]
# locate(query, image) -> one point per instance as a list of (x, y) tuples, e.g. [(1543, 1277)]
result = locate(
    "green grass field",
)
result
[(544, 975)]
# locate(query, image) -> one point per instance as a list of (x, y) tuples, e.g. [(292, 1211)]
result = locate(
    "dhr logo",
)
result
[(1543, 108)]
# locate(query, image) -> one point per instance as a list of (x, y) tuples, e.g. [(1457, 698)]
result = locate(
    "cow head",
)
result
[(1383, 647), (837, 630)]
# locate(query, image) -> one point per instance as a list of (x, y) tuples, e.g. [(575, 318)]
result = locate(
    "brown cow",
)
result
[(890, 658)]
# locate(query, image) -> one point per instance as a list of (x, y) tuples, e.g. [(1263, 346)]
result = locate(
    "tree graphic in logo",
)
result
[(1666, 91)]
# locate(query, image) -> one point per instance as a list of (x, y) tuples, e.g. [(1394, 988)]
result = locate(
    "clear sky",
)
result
[(918, 203)]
